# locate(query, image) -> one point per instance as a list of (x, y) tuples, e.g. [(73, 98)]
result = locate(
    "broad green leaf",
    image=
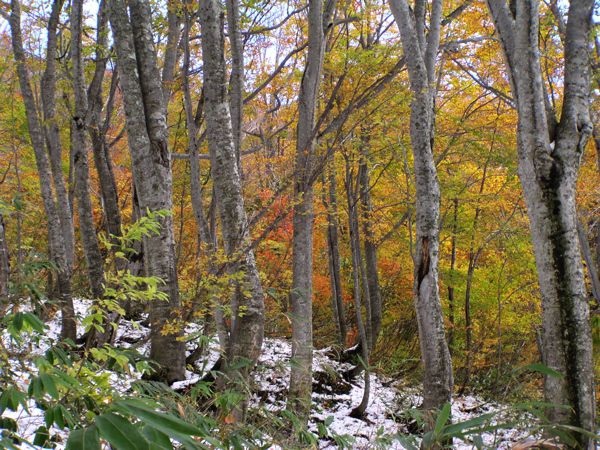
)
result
[(167, 423), (49, 385), (84, 439), (156, 438), (120, 433)]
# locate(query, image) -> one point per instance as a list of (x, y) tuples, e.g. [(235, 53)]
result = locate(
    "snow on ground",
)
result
[(338, 398), (333, 398)]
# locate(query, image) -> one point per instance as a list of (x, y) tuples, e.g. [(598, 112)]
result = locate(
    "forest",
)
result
[(299, 224)]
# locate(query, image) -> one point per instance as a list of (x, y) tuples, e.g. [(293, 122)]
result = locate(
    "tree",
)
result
[(549, 154), (87, 230), (420, 52), (59, 231), (247, 328), (4, 260), (301, 294), (145, 115), (97, 127)]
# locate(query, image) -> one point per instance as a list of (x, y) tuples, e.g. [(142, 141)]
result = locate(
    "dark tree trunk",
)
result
[(370, 250), (333, 252), (4, 263)]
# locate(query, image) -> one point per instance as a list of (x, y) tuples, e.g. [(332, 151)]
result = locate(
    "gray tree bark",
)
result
[(301, 294), (247, 328), (58, 236), (171, 50), (97, 128), (237, 75), (145, 114), (420, 54), (205, 235), (87, 230), (48, 97), (586, 252), (549, 155)]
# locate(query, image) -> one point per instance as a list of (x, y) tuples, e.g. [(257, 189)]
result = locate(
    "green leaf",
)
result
[(42, 436), (157, 439), (59, 417), (84, 439), (470, 424), (34, 322), (8, 424), (120, 433), (49, 385), (167, 423), (442, 419), (18, 321)]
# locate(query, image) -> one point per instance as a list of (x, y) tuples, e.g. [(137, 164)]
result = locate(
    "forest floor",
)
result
[(388, 414)]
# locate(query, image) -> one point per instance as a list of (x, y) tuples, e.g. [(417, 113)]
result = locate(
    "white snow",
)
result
[(333, 398)]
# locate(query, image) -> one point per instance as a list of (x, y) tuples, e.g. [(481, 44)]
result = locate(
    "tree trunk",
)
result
[(145, 115), (237, 75), (452, 275), (358, 276), (4, 263), (247, 329), (87, 230), (549, 156), (370, 248), (301, 294), (57, 237), (97, 128), (205, 237), (171, 50), (473, 253), (589, 261), (333, 251), (48, 97), (420, 56)]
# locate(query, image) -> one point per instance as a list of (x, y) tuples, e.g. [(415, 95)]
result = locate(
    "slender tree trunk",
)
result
[(420, 53), (301, 294), (589, 261), (97, 128), (4, 262), (333, 251), (57, 235), (358, 276), (170, 56), (452, 275), (549, 155), (370, 249), (469, 285), (247, 329), (87, 230), (145, 114), (237, 75), (48, 96), (205, 237)]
